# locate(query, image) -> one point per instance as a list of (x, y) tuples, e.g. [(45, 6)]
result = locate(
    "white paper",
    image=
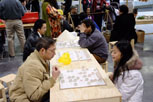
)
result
[(80, 78)]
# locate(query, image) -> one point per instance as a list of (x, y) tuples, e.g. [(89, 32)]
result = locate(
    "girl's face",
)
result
[(116, 54)]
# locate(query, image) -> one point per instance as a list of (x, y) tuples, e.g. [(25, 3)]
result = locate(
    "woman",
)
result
[(127, 77), (52, 17)]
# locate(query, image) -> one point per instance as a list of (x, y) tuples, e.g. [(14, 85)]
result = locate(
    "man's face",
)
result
[(49, 53), (87, 30), (42, 30)]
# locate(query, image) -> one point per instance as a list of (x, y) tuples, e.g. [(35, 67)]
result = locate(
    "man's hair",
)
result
[(124, 9), (135, 10), (38, 24), (88, 23), (20, 1), (44, 42)]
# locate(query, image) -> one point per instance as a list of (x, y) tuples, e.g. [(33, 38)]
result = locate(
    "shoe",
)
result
[(11, 56)]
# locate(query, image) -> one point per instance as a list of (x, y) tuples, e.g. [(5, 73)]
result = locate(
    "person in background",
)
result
[(12, 11), (135, 12), (27, 32), (67, 6), (92, 39), (127, 77), (39, 30), (89, 16), (98, 7), (52, 17), (124, 27), (86, 4), (33, 81)]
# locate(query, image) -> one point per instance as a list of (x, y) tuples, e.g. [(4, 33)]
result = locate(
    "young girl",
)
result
[(127, 77)]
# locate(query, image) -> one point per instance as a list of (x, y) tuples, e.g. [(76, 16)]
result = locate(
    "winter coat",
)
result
[(131, 87), (30, 45), (95, 42), (124, 28), (32, 81)]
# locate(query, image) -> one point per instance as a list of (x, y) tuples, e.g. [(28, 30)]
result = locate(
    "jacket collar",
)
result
[(134, 62), (44, 62)]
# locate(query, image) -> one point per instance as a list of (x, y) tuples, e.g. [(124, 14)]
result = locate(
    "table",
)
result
[(105, 93), (26, 26), (144, 21)]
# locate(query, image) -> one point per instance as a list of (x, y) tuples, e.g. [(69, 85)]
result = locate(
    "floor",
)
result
[(145, 50)]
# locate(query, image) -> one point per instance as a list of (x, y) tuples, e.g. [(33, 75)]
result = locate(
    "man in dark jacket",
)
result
[(91, 38), (124, 27), (39, 30)]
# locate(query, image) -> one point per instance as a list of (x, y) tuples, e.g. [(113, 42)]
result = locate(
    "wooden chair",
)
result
[(8, 79), (105, 66), (111, 44), (2, 94)]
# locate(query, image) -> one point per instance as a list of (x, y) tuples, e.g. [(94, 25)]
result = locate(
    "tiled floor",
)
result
[(8, 65)]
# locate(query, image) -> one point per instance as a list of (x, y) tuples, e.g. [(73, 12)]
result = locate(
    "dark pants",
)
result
[(99, 59), (46, 97), (98, 18)]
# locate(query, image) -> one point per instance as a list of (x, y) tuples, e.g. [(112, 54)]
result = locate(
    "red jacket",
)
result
[(95, 4)]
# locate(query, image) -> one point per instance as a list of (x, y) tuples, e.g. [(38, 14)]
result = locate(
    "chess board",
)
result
[(75, 55), (80, 78), (67, 44)]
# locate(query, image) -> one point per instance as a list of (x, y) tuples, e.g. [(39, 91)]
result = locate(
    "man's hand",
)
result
[(55, 72), (81, 28)]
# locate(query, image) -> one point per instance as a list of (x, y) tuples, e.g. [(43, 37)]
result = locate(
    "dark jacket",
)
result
[(96, 43), (123, 28), (11, 9), (30, 45)]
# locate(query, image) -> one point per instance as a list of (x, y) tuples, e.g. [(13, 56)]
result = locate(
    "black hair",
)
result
[(88, 23), (44, 42), (124, 9), (53, 3), (135, 10), (38, 24), (126, 53), (22, 1)]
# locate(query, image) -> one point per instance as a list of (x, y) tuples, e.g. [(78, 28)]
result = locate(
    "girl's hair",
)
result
[(126, 53), (53, 3)]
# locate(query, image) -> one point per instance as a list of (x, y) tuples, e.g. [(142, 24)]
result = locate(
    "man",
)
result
[(124, 27), (91, 38), (39, 30), (33, 81), (12, 12)]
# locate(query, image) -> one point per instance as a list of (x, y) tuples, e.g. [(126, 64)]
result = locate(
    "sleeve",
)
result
[(1, 10), (53, 13), (129, 86), (85, 41), (21, 7), (34, 85)]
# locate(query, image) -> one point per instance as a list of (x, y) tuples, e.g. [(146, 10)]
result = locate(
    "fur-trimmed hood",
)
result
[(134, 62)]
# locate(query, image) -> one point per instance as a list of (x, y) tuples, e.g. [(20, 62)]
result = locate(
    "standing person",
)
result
[(127, 77), (124, 27), (86, 4), (39, 30), (33, 81), (98, 7), (91, 38), (52, 17), (27, 32), (12, 12), (67, 5)]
